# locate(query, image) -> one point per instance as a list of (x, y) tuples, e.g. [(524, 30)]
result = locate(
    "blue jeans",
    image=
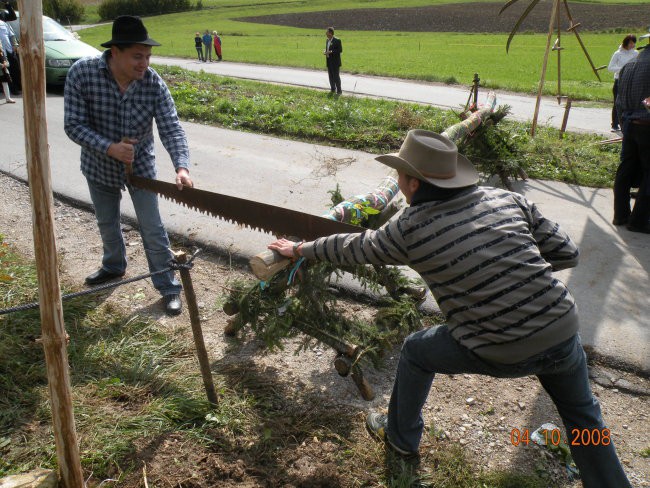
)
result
[(562, 371), (106, 200)]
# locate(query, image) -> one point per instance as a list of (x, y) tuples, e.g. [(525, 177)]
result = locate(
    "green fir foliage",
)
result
[(275, 311)]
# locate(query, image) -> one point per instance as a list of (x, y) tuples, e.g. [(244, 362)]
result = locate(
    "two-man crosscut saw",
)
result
[(256, 215)]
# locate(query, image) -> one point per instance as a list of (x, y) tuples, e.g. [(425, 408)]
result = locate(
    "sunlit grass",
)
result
[(451, 57)]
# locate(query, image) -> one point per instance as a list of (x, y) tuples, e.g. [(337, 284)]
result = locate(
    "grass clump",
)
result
[(130, 379), (138, 401)]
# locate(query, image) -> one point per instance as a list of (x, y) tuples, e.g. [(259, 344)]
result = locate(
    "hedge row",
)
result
[(110, 9)]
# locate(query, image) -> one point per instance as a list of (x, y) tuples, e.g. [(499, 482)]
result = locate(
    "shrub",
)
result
[(111, 9), (65, 11)]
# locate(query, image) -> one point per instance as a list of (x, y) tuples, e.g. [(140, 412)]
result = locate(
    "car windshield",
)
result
[(52, 30)]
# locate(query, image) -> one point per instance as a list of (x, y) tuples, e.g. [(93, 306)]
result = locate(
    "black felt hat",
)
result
[(128, 29)]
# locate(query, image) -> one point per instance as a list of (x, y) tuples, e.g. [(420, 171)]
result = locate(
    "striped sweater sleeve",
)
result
[(382, 246), (555, 245)]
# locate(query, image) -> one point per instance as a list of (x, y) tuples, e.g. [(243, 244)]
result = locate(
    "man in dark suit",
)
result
[(333, 50)]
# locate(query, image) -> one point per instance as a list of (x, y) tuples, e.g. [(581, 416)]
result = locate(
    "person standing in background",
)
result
[(198, 44), (9, 43), (5, 77), (207, 44), (333, 50), (623, 55), (633, 91), (217, 44)]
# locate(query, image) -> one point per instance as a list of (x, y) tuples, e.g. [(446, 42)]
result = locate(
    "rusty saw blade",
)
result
[(256, 215)]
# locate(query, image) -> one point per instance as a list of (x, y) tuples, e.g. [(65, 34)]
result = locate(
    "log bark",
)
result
[(32, 59)]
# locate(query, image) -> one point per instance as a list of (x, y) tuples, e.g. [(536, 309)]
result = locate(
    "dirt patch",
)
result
[(472, 413), (465, 17)]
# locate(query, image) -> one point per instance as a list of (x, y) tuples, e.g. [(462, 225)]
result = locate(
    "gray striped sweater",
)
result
[(487, 255)]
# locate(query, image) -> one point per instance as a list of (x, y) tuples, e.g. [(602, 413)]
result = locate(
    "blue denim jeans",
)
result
[(106, 200), (562, 371)]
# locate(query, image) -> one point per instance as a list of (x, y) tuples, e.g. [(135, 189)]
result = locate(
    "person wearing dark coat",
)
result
[(333, 50), (634, 115)]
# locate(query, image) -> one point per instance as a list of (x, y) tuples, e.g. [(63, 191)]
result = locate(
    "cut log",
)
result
[(38, 478), (266, 264)]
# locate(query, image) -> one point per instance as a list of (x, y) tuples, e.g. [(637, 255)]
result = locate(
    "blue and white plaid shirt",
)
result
[(97, 115)]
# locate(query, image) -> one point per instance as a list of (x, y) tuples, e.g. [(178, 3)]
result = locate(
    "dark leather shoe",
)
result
[(620, 221), (633, 228), (102, 276), (173, 304)]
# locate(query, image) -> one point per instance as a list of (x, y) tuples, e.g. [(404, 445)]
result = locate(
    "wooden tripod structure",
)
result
[(554, 25)]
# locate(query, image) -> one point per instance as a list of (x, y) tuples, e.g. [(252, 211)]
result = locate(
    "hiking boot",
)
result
[(376, 423)]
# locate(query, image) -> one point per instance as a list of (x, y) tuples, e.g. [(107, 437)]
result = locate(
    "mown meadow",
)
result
[(448, 57)]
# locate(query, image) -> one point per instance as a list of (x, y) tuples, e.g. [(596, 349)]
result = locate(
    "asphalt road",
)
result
[(610, 284)]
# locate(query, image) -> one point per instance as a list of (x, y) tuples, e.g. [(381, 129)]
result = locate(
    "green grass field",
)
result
[(441, 57)]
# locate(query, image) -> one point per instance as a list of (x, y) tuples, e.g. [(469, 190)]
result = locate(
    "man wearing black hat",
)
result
[(111, 101)]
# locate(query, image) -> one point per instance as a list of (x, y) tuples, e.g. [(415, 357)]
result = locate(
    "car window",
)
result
[(52, 30)]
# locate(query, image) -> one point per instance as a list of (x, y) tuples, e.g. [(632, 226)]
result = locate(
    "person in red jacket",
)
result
[(217, 44)]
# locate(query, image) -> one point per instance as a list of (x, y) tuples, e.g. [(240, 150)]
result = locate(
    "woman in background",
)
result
[(623, 55), (217, 44), (5, 77)]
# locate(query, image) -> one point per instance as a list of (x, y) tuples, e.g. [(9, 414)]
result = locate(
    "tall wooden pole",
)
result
[(558, 46), (543, 76), (32, 59)]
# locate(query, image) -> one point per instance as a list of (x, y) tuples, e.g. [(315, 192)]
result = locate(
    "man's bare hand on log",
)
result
[(287, 248)]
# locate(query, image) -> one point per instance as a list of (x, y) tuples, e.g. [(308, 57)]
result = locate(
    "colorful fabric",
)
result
[(356, 210)]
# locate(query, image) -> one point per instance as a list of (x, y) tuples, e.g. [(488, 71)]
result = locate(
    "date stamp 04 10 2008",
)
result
[(579, 437)]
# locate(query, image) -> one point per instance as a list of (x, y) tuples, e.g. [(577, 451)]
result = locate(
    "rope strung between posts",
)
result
[(173, 266)]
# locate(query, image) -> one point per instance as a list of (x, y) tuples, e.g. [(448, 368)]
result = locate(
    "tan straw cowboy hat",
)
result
[(433, 158)]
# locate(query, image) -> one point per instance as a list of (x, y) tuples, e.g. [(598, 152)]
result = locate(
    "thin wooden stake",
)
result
[(543, 75), (201, 352), (574, 29), (565, 119), (32, 60)]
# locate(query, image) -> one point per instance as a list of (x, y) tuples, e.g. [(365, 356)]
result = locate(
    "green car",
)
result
[(62, 49)]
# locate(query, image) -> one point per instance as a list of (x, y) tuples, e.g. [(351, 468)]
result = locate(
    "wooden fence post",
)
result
[(32, 59), (197, 332)]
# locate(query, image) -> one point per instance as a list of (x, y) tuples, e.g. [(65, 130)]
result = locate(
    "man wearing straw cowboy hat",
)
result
[(488, 257), (110, 103)]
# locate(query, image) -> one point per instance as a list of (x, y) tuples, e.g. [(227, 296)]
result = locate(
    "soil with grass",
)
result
[(316, 414), (466, 17)]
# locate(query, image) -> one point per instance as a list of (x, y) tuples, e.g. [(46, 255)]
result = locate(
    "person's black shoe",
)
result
[(339, 92), (173, 304), (102, 276), (634, 228), (620, 221)]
